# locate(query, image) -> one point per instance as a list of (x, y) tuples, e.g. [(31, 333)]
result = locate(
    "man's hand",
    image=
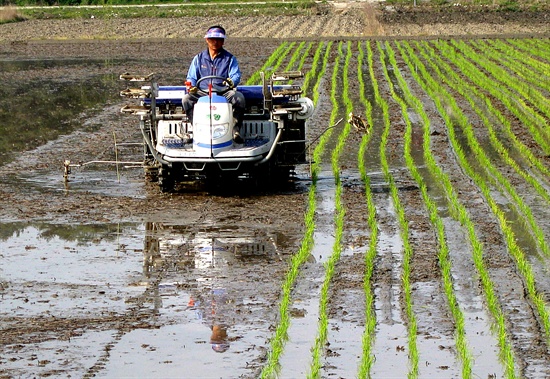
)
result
[(228, 82), (193, 90)]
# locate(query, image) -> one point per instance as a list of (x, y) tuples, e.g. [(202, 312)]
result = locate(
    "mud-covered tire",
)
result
[(166, 180), (150, 165), (271, 176), (151, 171)]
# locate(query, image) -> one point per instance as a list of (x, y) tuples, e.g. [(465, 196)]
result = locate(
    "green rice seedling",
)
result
[(473, 75), (320, 148), (301, 54), (496, 176), (274, 61), (280, 59), (367, 357), (255, 78), (522, 65), (404, 231), (527, 86), (502, 150), (511, 90), (536, 49), (432, 87), (297, 54), (468, 89), (278, 340), (444, 261), (527, 68), (323, 65), (313, 72), (330, 265), (460, 213)]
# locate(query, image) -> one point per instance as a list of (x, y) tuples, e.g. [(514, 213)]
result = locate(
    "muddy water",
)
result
[(159, 298), (35, 108)]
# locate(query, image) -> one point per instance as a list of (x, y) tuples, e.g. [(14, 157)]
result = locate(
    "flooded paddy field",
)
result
[(418, 248)]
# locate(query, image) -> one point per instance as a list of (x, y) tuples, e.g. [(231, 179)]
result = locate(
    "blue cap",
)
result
[(215, 32)]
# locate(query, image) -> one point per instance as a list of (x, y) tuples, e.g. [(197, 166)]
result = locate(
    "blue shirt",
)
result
[(224, 64)]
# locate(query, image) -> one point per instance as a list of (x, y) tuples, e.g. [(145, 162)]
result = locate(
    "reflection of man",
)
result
[(216, 61), (214, 314), (218, 338)]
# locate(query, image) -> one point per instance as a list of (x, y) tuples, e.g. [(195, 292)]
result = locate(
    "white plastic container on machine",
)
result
[(212, 125)]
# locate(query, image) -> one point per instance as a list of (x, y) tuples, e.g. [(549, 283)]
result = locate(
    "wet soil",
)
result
[(206, 268)]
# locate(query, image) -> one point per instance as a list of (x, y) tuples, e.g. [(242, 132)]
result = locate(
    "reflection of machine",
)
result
[(174, 246), (202, 264), (178, 149)]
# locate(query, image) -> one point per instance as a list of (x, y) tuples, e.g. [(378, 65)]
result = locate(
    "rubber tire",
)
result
[(166, 180)]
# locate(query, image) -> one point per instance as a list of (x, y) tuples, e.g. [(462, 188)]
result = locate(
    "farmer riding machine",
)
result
[(177, 149)]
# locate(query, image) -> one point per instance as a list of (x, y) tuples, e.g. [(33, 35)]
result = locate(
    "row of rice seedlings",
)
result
[(367, 357), (443, 255), (504, 95), (312, 74), (404, 231), (299, 53), (340, 212), (305, 55), (278, 340), (523, 265), (531, 93), (530, 102), (271, 63), (438, 92), (458, 83), (536, 49), (318, 152), (473, 76), (525, 67), (539, 102), (294, 58), (503, 182), (450, 77), (459, 211)]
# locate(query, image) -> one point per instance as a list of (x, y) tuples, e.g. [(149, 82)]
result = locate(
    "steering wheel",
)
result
[(220, 90)]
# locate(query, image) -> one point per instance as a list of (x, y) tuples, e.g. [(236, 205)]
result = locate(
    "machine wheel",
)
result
[(166, 179), (272, 176), (150, 166), (151, 171)]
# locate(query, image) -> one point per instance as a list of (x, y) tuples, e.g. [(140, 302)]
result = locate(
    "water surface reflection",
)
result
[(212, 287), (43, 99)]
